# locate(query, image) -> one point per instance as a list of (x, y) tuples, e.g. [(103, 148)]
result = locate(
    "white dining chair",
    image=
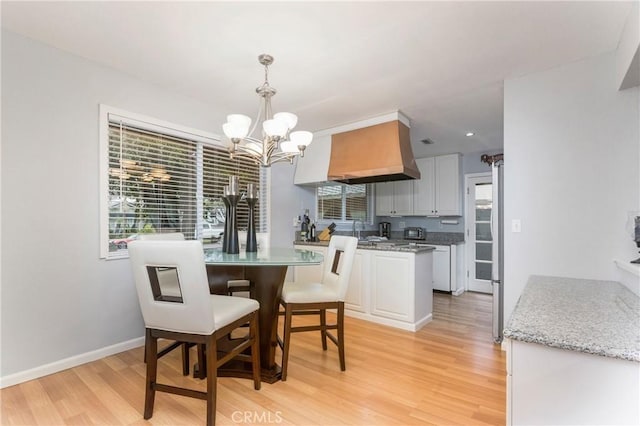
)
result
[(316, 297), (193, 316)]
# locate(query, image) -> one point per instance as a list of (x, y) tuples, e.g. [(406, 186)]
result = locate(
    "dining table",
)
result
[(265, 270)]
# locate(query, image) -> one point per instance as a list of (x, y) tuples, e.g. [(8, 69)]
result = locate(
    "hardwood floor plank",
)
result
[(449, 372)]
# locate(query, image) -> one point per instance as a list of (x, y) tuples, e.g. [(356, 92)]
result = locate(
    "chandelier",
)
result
[(277, 142)]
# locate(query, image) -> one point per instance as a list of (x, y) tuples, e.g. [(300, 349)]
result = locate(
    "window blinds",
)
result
[(160, 182), (342, 202)]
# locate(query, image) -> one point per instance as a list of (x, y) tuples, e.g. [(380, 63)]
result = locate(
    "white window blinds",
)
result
[(343, 202), (159, 181)]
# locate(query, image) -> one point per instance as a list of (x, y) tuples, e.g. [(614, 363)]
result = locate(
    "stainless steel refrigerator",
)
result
[(497, 249)]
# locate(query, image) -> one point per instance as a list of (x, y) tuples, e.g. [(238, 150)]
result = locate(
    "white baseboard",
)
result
[(74, 361), (390, 322), (458, 292)]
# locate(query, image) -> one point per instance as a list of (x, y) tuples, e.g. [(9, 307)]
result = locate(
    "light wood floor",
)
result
[(448, 373)]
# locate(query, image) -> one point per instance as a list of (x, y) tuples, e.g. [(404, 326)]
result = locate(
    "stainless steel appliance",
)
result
[(414, 233), (385, 229), (497, 231)]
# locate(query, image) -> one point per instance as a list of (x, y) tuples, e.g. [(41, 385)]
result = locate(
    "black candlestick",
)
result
[(252, 244), (227, 223), (233, 245)]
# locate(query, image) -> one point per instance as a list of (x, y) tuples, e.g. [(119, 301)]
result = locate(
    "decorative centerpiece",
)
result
[(230, 197), (252, 199)]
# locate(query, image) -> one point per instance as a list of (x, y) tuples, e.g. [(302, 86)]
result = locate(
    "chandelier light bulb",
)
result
[(301, 137), (235, 131), (290, 120), (274, 127), (289, 147)]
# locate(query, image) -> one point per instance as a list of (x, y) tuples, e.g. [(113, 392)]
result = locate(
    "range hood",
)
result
[(378, 153)]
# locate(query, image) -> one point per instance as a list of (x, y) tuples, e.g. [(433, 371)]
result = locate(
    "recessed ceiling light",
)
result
[(469, 134)]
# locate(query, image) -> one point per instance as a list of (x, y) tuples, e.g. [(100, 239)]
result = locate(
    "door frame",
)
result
[(469, 214)]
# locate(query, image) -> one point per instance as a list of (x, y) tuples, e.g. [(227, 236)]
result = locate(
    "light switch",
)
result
[(516, 226)]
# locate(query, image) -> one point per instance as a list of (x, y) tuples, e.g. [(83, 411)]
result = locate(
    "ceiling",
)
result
[(441, 63)]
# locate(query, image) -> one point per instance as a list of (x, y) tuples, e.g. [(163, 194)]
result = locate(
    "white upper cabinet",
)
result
[(438, 192), (313, 167), (394, 198)]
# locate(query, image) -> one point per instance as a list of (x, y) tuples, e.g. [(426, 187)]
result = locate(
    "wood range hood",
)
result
[(378, 153)]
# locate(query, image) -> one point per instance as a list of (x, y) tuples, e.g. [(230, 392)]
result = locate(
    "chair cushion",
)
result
[(227, 309), (308, 293)]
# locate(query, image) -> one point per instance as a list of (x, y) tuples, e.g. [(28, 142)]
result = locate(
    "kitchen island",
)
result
[(573, 353), (391, 284)]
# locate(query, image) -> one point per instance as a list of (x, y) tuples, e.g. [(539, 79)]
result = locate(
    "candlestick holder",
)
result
[(252, 243)]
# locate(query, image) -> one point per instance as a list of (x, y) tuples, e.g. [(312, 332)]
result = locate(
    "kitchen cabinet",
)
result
[(438, 192), (313, 167), (387, 287), (551, 386), (442, 268), (401, 294), (394, 198), (357, 298)]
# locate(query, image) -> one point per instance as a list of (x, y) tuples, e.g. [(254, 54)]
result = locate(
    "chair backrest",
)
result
[(338, 264), (152, 261), (162, 236)]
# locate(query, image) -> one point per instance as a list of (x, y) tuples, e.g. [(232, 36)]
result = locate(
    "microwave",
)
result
[(414, 233)]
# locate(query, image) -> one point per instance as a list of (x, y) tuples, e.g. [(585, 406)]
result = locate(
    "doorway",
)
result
[(479, 202)]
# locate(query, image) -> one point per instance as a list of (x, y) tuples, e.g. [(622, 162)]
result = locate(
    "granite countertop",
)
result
[(390, 245), (590, 316)]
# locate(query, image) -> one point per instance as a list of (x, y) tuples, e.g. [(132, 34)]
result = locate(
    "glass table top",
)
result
[(274, 256)]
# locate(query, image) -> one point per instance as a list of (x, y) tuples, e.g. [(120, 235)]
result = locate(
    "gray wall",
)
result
[(572, 149)]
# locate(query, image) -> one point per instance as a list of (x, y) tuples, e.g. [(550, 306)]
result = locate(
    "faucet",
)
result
[(356, 232)]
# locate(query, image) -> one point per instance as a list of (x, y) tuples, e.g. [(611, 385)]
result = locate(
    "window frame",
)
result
[(371, 197), (163, 127)]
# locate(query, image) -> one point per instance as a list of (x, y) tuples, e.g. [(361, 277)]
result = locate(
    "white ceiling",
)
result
[(441, 63)]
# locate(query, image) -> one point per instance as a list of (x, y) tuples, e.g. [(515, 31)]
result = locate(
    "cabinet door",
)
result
[(424, 188), (442, 268), (310, 273), (356, 298), (403, 197), (384, 199), (448, 195), (391, 285)]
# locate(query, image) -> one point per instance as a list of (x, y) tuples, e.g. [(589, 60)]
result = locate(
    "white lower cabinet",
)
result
[(442, 268), (357, 298), (392, 285), (550, 386), (388, 287)]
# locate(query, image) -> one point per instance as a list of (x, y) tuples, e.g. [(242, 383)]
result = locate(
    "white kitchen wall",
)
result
[(572, 161)]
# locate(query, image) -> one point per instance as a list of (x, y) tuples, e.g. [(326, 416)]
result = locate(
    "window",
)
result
[(341, 202), (162, 178)]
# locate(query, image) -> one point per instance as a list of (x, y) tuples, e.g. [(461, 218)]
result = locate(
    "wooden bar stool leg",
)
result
[(212, 372), (185, 359), (151, 346), (323, 330), (341, 335)]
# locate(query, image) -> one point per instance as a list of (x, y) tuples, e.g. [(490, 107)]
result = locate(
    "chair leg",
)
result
[(341, 335), (212, 372), (286, 340), (255, 351), (323, 331), (185, 359), (151, 348)]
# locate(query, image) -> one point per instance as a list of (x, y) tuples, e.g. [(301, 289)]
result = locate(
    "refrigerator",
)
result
[(497, 249)]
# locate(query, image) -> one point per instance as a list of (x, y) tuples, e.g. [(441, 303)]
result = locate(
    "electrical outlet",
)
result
[(402, 225)]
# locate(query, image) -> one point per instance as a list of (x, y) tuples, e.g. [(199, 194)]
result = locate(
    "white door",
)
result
[(478, 222)]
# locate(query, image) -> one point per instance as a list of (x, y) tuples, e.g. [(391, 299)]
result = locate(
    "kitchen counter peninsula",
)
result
[(391, 282), (573, 353)]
